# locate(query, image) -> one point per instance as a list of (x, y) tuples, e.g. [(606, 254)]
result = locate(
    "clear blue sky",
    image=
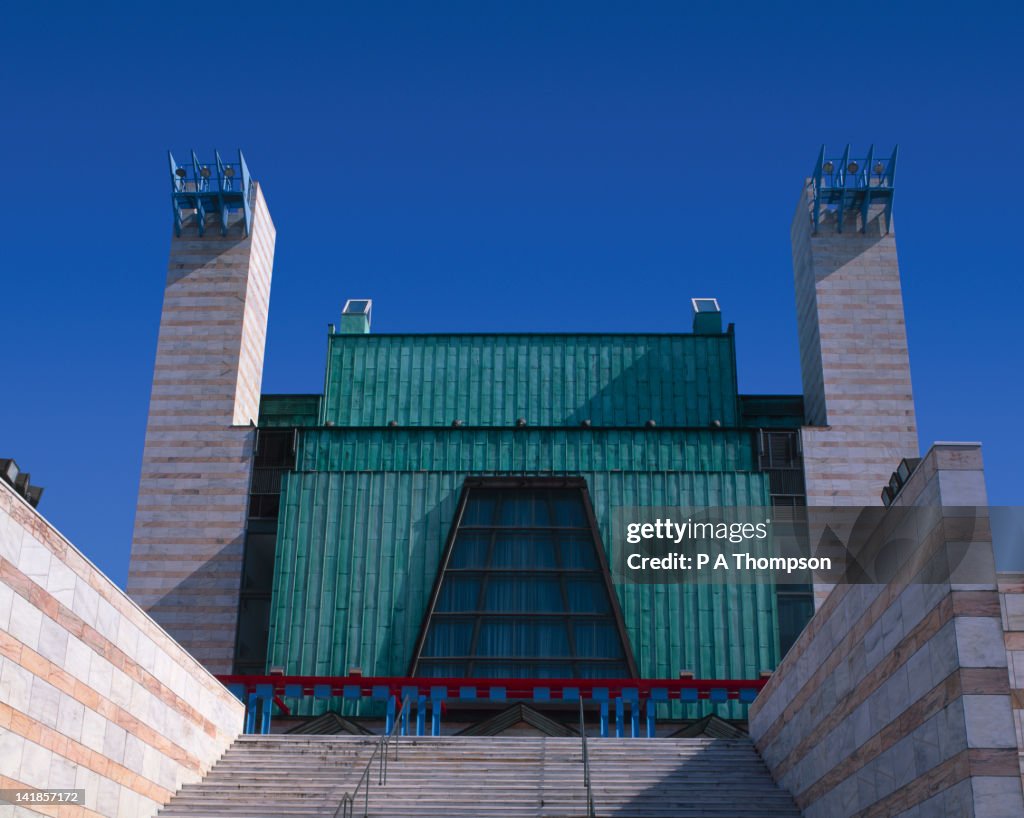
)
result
[(495, 167)]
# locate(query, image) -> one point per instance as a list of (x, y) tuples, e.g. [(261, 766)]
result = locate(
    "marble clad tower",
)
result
[(853, 342), (187, 547)]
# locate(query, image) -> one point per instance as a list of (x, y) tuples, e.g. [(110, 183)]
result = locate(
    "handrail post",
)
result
[(346, 807)]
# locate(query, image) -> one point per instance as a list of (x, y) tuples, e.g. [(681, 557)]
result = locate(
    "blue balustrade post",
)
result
[(618, 717), (421, 714), (389, 719), (268, 706), (604, 719), (437, 695), (632, 695), (250, 714), (409, 695), (650, 718), (265, 699)]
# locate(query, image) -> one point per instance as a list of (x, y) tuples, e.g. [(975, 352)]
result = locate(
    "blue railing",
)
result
[(631, 703), (847, 183), (210, 187)]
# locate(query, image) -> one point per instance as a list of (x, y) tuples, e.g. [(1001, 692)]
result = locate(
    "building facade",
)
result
[(444, 506)]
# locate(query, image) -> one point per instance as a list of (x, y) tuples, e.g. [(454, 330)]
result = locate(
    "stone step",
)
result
[(502, 777)]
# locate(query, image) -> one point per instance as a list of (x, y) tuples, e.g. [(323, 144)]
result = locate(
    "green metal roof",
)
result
[(548, 380)]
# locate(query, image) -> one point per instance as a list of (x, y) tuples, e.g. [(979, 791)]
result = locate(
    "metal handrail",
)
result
[(586, 764), (346, 806)]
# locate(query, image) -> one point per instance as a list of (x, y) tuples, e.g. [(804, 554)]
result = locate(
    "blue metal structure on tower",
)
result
[(846, 183), (225, 187)]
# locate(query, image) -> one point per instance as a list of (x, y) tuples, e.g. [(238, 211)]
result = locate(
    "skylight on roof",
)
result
[(357, 306), (705, 305)]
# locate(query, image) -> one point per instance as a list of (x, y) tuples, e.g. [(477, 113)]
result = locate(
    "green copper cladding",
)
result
[(360, 538), (547, 380), (365, 513), (379, 467), (287, 411)]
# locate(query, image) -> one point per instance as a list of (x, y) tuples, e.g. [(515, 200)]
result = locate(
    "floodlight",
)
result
[(204, 172), (828, 167), (853, 167), (9, 470), (180, 173), (229, 171)]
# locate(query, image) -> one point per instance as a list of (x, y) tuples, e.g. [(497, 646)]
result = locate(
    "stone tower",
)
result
[(858, 400), (187, 547)]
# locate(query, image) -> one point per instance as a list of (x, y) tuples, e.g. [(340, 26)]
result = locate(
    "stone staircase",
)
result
[(503, 777)]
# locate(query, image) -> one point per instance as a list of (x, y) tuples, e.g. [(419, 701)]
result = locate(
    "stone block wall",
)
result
[(895, 699), (94, 695), (1011, 601)]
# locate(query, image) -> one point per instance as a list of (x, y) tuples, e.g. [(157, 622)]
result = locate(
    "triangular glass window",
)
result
[(524, 589)]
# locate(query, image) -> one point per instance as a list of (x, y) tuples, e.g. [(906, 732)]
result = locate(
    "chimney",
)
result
[(355, 316), (707, 316)]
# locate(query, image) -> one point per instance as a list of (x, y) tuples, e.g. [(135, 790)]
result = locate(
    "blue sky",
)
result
[(486, 166)]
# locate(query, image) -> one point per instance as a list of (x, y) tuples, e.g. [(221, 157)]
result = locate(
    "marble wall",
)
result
[(94, 695), (895, 699)]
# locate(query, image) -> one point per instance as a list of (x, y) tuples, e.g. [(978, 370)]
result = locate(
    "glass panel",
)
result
[(252, 633), (794, 613), (480, 508), (448, 637), (554, 672), (541, 506), (569, 509), (597, 640), (577, 551), (523, 550), (587, 595), (516, 510), (515, 638), (524, 594), (470, 550), (522, 670), (459, 594), (431, 667), (259, 562), (603, 671)]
